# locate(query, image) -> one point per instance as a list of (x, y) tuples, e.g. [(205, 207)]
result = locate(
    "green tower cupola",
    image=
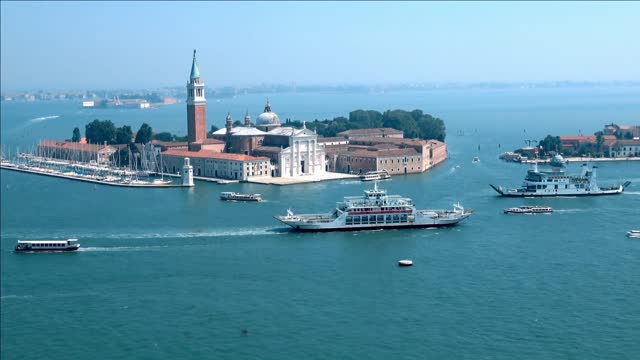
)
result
[(195, 71)]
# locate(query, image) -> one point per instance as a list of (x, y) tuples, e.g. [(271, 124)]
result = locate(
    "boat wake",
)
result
[(43, 118), (17, 297), (570, 211), (350, 182), (168, 234), (631, 192), (121, 248)]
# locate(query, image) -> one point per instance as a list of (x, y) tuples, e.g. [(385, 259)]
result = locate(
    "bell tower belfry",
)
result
[(196, 106)]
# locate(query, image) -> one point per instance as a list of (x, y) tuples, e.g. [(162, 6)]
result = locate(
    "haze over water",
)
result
[(176, 273)]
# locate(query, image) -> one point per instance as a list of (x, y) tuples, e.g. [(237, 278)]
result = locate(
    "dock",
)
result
[(202, 178), (301, 179)]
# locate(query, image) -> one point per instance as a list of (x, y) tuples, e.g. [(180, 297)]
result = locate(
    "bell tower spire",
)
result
[(196, 106)]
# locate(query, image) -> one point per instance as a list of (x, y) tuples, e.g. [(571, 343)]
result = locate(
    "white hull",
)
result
[(421, 219), (559, 192)]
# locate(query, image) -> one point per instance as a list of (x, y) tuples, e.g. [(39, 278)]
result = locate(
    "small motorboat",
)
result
[(633, 233), (405, 262), (475, 160), (233, 196), (529, 210)]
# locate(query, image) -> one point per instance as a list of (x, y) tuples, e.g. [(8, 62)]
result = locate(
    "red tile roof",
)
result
[(210, 154)]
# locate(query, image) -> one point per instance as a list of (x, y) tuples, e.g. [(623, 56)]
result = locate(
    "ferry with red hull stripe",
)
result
[(375, 210), (47, 245), (557, 183)]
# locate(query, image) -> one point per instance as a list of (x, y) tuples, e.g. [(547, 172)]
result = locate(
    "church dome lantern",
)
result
[(268, 117)]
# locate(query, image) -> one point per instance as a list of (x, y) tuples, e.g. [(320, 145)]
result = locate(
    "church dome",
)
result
[(268, 117)]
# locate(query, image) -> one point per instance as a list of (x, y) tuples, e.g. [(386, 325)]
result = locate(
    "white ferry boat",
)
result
[(529, 210), (375, 210), (375, 176), (47, 245), (233, 196), (557, 183)]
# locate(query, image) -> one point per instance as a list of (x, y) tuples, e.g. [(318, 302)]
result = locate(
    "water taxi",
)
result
[(375, 176), (233, 196), (375, 210), (47, 245), (529, 210)]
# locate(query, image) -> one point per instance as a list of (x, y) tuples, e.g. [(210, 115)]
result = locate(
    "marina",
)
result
[(103, 174), (91, 177)]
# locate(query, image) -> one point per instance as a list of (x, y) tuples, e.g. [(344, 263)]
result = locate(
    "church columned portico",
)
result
[(303, 156)]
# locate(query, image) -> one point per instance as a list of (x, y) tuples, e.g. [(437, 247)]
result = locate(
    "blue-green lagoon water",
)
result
[(176, 273)]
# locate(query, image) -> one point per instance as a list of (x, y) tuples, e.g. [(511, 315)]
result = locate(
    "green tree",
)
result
[(361, 119), (214, 128), (76, 135), (143, 135), (599, 140), (628, 135), (401, 120), (123, 135), (550, 143), (163, 136), (430, 127), (97, 132)]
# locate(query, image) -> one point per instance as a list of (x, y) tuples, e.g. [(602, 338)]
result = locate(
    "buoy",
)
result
[(405, 263)]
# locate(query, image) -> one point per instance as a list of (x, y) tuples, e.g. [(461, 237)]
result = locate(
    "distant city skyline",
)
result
[(105, 45)]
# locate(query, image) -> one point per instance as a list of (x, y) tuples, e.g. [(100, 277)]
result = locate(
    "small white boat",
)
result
[(375, 176), (529, 210), (161, 182), (233, 196), (476, 160), (405, 263), (633, 233), (47, 245)]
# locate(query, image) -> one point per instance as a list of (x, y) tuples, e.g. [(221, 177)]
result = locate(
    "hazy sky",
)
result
[(147, 44)]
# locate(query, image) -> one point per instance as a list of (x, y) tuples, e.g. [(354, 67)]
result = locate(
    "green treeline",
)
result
[(414, 124)]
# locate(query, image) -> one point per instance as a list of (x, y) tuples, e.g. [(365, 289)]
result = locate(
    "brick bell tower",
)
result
[(196, 108)]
